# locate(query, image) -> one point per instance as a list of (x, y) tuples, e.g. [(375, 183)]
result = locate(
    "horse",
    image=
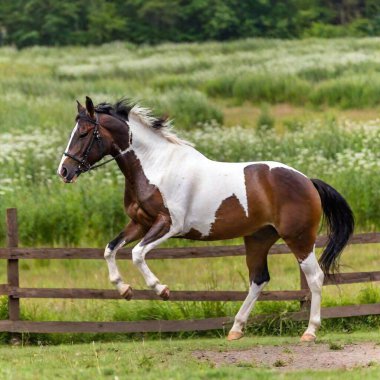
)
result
[(172, 190)]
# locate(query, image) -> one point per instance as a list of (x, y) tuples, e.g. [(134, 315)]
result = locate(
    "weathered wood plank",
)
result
[(340, 312), (351, 311), (351, 278), (123, 254), (161, 253), (114, 327), (180, 295)]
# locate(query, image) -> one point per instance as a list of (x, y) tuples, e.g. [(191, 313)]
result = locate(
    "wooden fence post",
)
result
[(12, 269)]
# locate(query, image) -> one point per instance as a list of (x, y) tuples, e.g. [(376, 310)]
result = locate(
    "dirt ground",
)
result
[(298, 357)]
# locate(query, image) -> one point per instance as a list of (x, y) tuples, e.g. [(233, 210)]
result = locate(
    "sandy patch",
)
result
[(298, 356)]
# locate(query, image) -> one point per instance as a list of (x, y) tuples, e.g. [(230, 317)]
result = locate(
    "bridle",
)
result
[(84, 165)]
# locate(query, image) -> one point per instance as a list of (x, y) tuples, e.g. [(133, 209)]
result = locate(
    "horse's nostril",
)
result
[(64, 172)]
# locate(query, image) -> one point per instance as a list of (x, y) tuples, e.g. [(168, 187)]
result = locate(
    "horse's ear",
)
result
[(90, 107), (81, 109)]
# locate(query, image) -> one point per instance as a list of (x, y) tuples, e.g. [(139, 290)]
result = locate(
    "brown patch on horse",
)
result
[(222, 228), (259, 209), (259, 193), (143, 201), (193, 234)]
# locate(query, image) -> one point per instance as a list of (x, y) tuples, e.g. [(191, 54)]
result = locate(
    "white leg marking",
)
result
[(243, 314), (138, 256), (114, 274), (314, 277)]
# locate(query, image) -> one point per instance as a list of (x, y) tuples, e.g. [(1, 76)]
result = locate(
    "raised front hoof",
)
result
[(165, 294), (308, 338), (234, 335), (126, 292)]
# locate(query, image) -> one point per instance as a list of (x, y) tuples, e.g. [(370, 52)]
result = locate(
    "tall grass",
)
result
[(343, 154)]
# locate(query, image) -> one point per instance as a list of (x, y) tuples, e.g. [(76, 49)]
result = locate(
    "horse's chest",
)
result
[(140, 215), (145, 208)]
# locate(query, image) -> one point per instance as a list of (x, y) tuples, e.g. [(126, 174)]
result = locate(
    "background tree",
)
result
[(48, 22)]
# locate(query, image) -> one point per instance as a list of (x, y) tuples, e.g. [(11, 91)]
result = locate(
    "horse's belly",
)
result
[(229, 221)]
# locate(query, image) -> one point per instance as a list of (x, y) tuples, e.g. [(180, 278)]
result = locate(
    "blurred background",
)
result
[(291, 81)]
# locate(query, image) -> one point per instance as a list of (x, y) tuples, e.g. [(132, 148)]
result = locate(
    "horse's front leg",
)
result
[(160, 231), (132, 232)]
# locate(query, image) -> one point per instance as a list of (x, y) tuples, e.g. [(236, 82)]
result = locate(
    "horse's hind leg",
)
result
[(132, 232), (303, 248), (257, 247)]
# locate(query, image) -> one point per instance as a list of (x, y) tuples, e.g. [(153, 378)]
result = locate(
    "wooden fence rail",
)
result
[(12, 253)]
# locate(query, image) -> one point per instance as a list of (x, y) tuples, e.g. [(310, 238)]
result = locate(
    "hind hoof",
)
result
[(165, 294), (126, 292), (308, 338), (234, 335)]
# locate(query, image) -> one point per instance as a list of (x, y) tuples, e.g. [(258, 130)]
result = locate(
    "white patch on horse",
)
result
[(192, 186), (67, 148)]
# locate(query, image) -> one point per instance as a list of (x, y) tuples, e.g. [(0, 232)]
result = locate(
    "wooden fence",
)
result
[(12, 253)]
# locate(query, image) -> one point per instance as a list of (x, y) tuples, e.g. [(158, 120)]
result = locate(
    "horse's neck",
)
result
[(149, 152)]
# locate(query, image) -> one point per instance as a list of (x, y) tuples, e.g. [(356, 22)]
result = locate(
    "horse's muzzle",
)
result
[(67, 175)]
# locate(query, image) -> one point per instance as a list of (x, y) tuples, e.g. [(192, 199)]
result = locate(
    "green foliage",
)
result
[(335, 346), (221, 86), (370, 294), (270, 88), (189, 107), (265, 122), (348, 92), (322, 30), (104, 22), (76, 22), (191, 83)]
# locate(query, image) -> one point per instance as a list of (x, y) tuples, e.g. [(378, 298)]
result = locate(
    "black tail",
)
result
[(340, 225)]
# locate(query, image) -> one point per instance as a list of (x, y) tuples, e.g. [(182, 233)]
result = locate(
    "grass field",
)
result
[(171, 359), (312, 104)]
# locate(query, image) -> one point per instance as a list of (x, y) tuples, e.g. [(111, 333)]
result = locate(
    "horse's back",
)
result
[(236, 199)]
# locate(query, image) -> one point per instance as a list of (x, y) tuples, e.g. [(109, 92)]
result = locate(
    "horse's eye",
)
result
[(83, 134)]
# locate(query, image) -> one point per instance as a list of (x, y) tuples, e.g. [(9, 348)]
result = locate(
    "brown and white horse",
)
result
[(172, 190)]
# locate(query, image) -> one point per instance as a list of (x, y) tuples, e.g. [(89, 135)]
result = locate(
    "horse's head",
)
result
[(89, 142)]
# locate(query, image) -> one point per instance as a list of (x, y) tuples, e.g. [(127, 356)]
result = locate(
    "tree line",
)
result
[(81, 22)]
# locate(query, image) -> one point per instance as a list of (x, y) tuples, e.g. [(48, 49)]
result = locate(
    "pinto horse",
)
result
[(172, 190)]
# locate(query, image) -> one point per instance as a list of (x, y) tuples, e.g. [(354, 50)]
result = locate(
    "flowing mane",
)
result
[(124, 109)]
